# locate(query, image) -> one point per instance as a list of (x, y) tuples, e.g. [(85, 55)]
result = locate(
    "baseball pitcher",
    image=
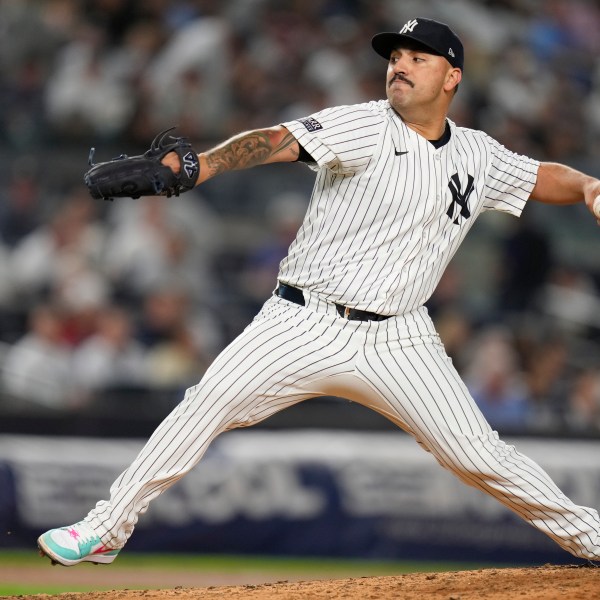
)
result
[(398, 186)]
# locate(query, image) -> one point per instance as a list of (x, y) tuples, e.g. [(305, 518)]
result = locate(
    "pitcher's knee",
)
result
[(481, 455)]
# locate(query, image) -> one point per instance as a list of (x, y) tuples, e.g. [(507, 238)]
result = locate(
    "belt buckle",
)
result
[(347, 312)]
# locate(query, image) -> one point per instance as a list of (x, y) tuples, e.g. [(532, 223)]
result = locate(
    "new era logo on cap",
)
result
[(436, 37)]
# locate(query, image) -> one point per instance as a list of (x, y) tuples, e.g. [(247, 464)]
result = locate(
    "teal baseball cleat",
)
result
[(73, 544)]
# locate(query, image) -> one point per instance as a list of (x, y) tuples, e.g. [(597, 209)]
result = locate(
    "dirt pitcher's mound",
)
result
[(539, 583)]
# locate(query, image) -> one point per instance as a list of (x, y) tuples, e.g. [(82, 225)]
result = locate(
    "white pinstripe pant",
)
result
[(397, 367)]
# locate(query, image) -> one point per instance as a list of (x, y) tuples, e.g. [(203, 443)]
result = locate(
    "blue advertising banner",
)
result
[(300, 493)]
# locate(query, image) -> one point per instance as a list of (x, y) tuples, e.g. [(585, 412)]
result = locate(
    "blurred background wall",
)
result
[(108, 305), (108, 311)]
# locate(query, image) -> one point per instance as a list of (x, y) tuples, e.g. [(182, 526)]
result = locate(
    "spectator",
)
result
[(72, 236), (111, 357), (193, 66), (7, 287), (284, 215), (570, 298), (85, 94), (527, 260), (20, 207), (154, 242), (519, 87), (177, 338), (82, 292), (547, 377), (496, 382), (37, 369), (582, 414)]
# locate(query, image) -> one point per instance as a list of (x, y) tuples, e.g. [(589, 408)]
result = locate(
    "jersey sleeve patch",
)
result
[(311, 124)]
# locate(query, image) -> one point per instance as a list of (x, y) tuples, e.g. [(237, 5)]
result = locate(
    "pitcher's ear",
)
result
[(454, 79)]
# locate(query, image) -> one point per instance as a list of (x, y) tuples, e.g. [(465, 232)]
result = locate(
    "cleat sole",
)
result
[(97, 559), (44, 555)]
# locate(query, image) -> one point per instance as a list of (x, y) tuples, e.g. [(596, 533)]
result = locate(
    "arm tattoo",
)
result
[(246, 150)]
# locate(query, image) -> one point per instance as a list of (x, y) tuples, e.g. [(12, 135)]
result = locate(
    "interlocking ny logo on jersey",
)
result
[(460, 199)]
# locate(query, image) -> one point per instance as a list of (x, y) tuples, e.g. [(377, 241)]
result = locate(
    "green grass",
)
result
[(274, 566), (228, 563), (25, 590)]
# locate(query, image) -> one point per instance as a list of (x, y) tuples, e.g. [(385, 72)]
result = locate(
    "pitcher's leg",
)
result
[(423, 388), (270, 366)]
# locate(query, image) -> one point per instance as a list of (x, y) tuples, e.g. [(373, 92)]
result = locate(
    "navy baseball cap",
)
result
[(435, 36)]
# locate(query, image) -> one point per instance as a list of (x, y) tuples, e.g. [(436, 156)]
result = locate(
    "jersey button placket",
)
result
[(438, 168)]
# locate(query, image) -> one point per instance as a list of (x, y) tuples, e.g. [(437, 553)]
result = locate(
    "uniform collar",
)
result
[(437, 144), (444, 139)]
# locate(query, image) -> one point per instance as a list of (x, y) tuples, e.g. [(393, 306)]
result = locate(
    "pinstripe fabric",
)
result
[(376, 235), (387, 213), (422, 386), (397, 367)]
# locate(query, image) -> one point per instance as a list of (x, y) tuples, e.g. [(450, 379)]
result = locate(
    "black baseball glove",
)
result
[(144, 175)]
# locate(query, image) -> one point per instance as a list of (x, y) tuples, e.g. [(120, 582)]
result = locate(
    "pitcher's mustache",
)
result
[(401, 78)]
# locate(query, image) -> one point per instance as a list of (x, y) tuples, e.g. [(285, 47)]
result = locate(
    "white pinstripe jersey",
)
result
[(389, 210)]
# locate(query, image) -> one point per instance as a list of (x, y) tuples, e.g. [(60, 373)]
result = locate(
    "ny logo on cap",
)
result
[(409, 26)]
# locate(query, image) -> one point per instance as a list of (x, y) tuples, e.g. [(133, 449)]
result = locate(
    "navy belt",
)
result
[(295, 295)]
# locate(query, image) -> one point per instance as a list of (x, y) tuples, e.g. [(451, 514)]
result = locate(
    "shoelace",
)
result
[(84, 536)]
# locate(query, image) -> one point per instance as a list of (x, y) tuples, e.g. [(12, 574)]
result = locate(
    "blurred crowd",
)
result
[(97, 297)]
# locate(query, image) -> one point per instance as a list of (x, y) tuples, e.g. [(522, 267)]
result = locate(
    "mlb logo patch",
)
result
[(311, 124)]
